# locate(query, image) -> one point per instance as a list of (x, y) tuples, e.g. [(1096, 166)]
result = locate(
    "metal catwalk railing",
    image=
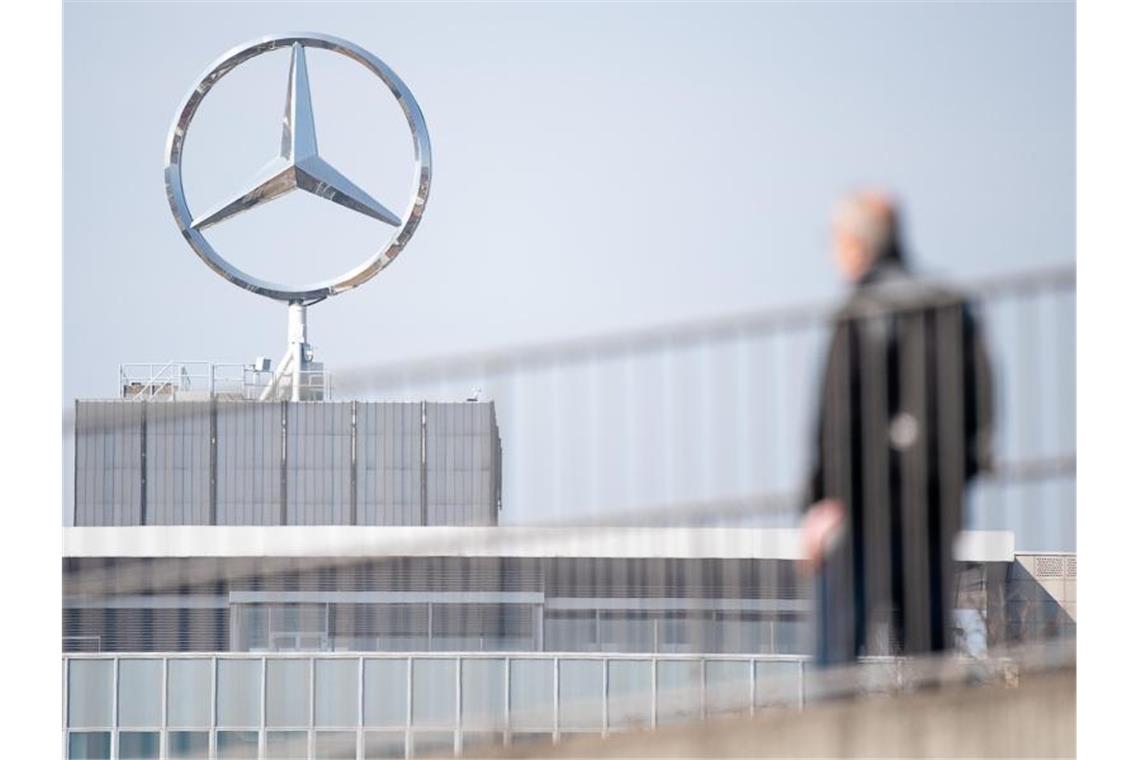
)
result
[(414, 705)]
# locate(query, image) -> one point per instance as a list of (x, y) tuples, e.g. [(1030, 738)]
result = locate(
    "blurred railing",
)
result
[(412, 705), (706, 423)]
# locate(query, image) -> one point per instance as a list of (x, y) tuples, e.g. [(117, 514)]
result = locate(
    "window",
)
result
[(89, 693), (678, 690), (188, 745), (777, 683), (138, 745), (433, 693), (532, 695), (337, 694), (574, 631), (580, 695), (381, 745), (188, 693), (729, 684), (434, 743), (335, 745), (140, 694), (239, 694), (89, 745), (484, 697), (385, 693), (286, 745), (287, 693), (630, 693), (237, 745)]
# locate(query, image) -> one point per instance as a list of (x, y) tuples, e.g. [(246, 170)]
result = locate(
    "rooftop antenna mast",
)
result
[(298, 166)]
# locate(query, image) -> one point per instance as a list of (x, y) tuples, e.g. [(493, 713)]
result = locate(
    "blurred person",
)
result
[(903, 424)]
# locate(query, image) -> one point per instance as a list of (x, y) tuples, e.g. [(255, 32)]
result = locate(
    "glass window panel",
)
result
[(385, 692), (626, 632), (793, 636), (729, 685), (89, 745), (744, 633), (777, 683), (252, 627), (239, 692), (335, 745), (337, 694), (138, 745), (433, 692), (484, 694), (678, 690), (286, 745), (532, 695), (287, 692), (380, 745), (140, 693), (575, 631), (432, 743), (580, 695), (188, 693), (631, 693), (474, 740), (237, 745), (89, 693), (188, 745)]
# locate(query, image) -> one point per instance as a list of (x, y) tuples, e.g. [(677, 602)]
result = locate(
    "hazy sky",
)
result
[(596, 166)]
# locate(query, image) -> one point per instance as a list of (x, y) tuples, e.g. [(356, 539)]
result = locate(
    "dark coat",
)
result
[(904, 423)]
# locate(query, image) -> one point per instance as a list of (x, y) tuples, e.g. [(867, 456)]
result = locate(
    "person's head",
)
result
[(864, 232)]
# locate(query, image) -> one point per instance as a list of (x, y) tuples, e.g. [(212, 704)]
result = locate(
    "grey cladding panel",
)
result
[(388, 463), (249, 463), (462, 465), (460, 458), (319, 463), (178, 463), (108, 451)]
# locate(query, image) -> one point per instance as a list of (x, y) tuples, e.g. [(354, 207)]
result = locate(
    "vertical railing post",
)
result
[(457, 738), (360, 707), (212, 741), (115, 707), (507, 701), (752, 686), (800, 690), (163, 750), (653, 693), (605, 696), (262, 738), (557, 704), (408, 714)]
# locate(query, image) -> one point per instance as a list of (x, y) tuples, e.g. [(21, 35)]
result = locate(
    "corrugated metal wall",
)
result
[(461, 464), (282, 463), (178, 463), (108, 463), (318, 469), (389, 463), (249, 453)]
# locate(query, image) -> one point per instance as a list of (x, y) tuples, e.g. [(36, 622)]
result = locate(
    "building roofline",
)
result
[(514, 541)]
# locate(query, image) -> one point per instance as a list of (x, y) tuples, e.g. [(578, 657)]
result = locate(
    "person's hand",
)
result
[(822, 526)]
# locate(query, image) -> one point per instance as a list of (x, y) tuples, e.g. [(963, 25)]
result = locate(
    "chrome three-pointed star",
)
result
[(299, 166)]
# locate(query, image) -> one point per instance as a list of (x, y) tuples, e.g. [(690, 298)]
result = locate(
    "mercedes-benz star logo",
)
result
[(298, 167)]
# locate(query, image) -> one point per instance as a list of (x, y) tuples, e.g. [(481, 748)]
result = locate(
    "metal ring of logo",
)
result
[(299, 167)]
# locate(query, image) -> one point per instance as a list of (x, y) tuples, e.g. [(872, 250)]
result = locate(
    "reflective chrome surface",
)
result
[(299, 166)]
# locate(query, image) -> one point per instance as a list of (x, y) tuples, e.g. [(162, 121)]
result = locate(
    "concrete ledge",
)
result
[(1037, 718)]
